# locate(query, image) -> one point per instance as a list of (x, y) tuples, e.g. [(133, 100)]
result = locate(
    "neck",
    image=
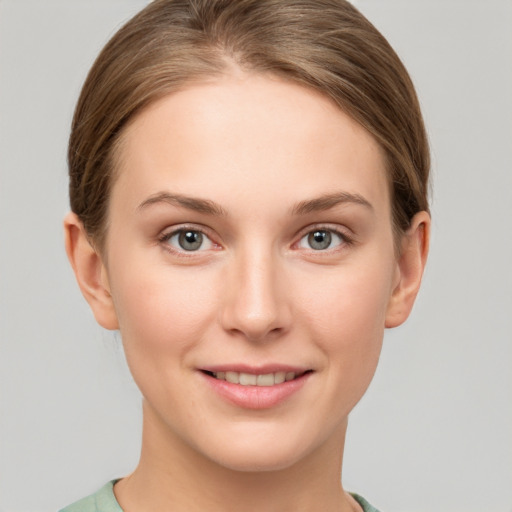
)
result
[(171, 472)]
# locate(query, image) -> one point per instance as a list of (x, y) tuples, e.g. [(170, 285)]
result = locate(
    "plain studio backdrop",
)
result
[(433, 433)]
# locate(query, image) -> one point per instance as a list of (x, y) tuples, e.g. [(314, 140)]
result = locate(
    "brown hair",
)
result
[(323, 44)]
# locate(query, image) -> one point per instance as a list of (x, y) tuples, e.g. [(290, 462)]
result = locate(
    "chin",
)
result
[(260, 453), (257, 461)]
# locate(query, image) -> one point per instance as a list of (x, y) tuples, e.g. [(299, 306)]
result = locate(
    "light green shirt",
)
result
[(101, 501), (105, 501)]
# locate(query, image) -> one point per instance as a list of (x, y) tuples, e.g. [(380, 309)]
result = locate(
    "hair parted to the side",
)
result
[(326, 45)]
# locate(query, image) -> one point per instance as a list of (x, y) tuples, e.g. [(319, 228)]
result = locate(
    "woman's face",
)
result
[(250, 241)]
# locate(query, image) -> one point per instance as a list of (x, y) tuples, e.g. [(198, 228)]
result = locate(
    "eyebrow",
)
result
[(209, 207), (329, 201), (190, 203)]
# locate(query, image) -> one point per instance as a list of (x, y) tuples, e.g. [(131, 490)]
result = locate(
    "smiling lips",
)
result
[(250, 379), (256, 390)]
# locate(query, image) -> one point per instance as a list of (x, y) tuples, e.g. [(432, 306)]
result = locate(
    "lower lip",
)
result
[(256, 397)]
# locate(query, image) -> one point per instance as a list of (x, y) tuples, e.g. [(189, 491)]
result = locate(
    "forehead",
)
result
[(249, 135)]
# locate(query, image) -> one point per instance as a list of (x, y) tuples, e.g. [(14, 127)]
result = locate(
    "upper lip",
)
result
[(255, 369)]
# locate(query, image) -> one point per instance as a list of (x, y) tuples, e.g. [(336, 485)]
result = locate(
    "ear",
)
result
[(410, 266), (90, 272)]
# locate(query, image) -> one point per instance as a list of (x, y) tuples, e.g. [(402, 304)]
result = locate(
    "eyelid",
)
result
[(171, 231), (344, 233)]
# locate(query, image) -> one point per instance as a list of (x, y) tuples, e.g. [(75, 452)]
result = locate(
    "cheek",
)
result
[(162, 312), (348, 303), (347, 316), (163, 316)]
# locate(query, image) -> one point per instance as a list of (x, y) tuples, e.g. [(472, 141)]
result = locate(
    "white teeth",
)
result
[(250, 379), (265, 380), (279, 377), (232, 377), (247, 379)]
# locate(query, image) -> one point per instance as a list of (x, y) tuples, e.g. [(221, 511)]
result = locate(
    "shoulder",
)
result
[(364, 504), (101, 501)]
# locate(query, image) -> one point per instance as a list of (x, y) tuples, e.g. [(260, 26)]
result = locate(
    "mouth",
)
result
[(256, 388), (252, 379)]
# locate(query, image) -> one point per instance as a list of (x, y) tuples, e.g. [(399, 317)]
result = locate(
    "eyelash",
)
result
[(164, 238), (345, 239)]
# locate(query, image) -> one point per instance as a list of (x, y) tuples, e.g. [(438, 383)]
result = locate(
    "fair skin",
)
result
[(249, 232)]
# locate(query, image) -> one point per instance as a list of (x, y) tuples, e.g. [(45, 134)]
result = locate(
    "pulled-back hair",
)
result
[(326, 45)]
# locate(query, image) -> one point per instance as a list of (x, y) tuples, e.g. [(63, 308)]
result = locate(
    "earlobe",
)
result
[(90, 272), (410, 266)]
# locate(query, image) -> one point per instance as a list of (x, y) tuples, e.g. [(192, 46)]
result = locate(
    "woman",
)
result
[(248, 185)]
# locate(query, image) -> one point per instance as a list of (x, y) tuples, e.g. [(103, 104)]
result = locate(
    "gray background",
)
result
[(434, 433)]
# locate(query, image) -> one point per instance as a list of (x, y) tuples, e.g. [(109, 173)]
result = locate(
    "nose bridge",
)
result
[(256, 304)]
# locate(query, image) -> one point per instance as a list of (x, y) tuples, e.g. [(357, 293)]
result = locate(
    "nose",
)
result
[(255, 302)]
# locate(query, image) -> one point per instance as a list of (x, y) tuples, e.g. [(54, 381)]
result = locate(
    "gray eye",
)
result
[(319, 240), (190, 240)]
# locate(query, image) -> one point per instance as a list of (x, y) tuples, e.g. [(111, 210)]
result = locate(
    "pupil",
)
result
[(190, 240), (319, 240)]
